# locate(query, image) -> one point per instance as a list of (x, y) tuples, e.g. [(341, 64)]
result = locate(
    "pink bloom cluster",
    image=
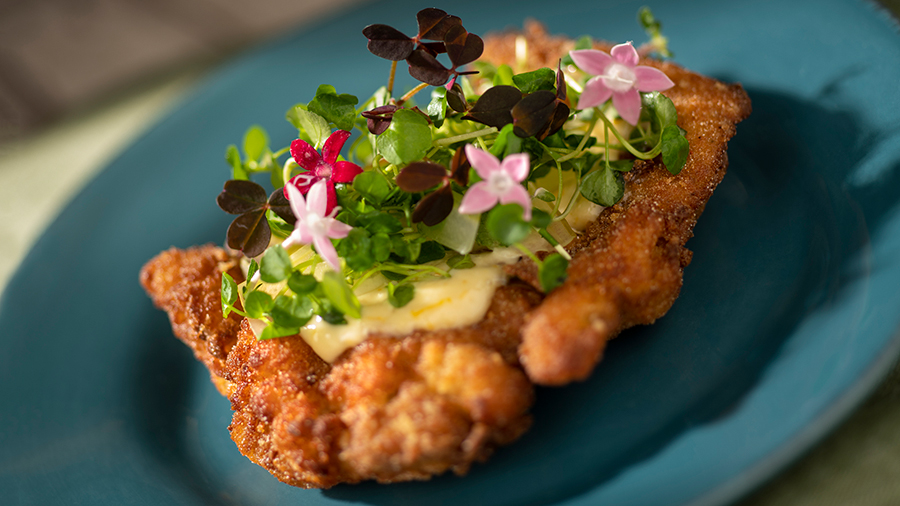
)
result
[(324, 167), (316, 225), (619, 76), (501, 182)]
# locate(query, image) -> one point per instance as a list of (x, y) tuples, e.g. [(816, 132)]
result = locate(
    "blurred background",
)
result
[(81, 79)]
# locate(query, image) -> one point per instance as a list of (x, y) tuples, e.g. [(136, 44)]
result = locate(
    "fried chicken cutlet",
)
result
[(400, 408)]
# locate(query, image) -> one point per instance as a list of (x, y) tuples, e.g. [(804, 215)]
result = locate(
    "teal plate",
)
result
[(788, 317)]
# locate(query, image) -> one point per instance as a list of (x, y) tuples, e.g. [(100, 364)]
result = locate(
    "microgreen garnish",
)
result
[(498, 160)]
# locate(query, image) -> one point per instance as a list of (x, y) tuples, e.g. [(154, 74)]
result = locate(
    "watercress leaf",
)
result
[(315, 126), (494, 106), (540, 219), (401, 295), (379, 222), (275, 265), (503, 76), (621, 165), (339, 293), (540, 79), (460, 262), (420, 176), (240, 196), (290, 311), (249, 233), (431, 251), (229, 294), (278, 226), (659, 109), (356, 249), (388, 42), (393, 276), (545, 195), (505, 224), (675, 148), (437, 108), (381, 247), (337, 109), (273, 331), (603, 186), (407, 139), (552, 272), (257, 303), (372, 186), (255, 142), (251, 270), (302, 284), (407, 251)]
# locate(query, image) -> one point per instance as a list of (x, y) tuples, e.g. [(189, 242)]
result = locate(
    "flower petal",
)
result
[(333, 145), (317, 198), (517, 166), (625, 54), (305, 155), (483, 162), (477, 199), (326, 250), (651, 79), (592, 61), (628, 104), (595, 93), (338, 229), (344, 172), (298, 204), (517, 194)]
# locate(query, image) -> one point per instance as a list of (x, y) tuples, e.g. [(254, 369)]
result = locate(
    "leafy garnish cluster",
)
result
[(484, 164)]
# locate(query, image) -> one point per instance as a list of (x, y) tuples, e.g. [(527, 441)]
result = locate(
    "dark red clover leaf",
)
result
[(435, 207), (250, 232), (420, 176), (459, 167), (462, 47), (379, 119), (434, 23), (388, 42), (494, 107)]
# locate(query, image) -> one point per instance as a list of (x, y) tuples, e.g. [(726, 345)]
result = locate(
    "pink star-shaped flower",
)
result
[(501, 182), (618, 76), (322, 168), (315, 225)]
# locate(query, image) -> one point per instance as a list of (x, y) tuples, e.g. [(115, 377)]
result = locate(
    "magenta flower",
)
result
[(501, 182), (620, 77), (315, 225), (322, 168)]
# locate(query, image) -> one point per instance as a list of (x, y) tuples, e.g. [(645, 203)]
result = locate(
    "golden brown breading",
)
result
[(627, 268), (390, 409)]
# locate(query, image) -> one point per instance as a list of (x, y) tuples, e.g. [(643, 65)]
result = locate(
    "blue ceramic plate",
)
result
[(788, 317)]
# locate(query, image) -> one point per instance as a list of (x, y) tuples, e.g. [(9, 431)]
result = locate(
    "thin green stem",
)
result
[(521, 247), (628, 147), (446, 141)]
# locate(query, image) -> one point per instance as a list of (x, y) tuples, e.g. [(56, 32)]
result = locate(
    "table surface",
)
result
[(858, 464)]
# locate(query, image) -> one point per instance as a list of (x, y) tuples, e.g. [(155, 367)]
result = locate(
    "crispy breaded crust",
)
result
[(627, 268)]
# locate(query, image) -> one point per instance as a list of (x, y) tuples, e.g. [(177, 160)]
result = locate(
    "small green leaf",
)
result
[(257, 304), (407, 139), (233, 157), (339, 293), (540, 219), (437, 108), (675, 148), (381, 247), (356, 249), (552, 272), (621, 165), (251, 270), (273, 331), (229, 294), (315, 126), (545, 195), (540, 79), (334, 108), (401, 295), (380, 222), (504, 76), (255, 142), (372, 186), (506, 142), (275, 265), (659, 109), (291, 311), (460, 262), (505, 224), (430, 251), (302, 284), (603, 186)]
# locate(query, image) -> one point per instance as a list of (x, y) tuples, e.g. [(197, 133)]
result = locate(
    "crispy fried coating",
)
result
[(627, 268), (390, 409)]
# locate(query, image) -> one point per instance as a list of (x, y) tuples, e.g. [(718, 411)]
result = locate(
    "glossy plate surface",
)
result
[(789, 313)]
